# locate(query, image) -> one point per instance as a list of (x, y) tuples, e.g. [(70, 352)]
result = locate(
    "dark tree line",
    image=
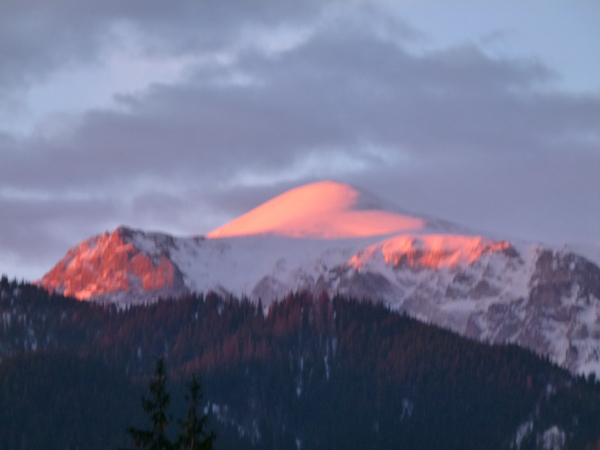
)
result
[(316, 372)]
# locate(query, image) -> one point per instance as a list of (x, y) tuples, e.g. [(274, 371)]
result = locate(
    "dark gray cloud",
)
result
[(37, 37), (452, 132), (32, 230)]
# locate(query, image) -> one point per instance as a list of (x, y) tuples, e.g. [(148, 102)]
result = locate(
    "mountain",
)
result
[(332, 237)]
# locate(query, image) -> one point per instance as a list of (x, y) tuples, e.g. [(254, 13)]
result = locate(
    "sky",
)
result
[(179, 116)]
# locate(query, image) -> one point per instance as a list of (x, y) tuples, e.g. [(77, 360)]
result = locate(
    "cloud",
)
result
[(273, 97), (37, 37)]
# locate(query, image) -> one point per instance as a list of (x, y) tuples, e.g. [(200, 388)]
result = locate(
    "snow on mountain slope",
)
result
[(324, 210), (266, 268), (331, 237)]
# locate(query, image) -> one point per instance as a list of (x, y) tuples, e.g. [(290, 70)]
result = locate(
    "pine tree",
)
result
[(156, 406), (193, 435)]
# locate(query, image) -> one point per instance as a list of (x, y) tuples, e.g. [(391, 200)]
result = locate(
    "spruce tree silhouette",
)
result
[(192, 435), (156, 405)]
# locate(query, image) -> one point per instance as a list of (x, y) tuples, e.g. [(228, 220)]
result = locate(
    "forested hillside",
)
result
[(315, 373)]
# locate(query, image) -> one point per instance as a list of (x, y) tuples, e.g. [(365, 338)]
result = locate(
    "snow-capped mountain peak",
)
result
[(332, 237)]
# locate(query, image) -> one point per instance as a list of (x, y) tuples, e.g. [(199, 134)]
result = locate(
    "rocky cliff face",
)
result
[(560, 316), (111, 265)]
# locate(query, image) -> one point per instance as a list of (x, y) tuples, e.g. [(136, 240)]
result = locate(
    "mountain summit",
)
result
[(330, 237), (322, 210)]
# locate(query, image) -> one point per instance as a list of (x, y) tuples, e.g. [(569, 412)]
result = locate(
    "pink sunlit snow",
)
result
[(323, 210)]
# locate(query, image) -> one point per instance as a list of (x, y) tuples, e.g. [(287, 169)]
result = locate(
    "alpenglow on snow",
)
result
[(332, 237)]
